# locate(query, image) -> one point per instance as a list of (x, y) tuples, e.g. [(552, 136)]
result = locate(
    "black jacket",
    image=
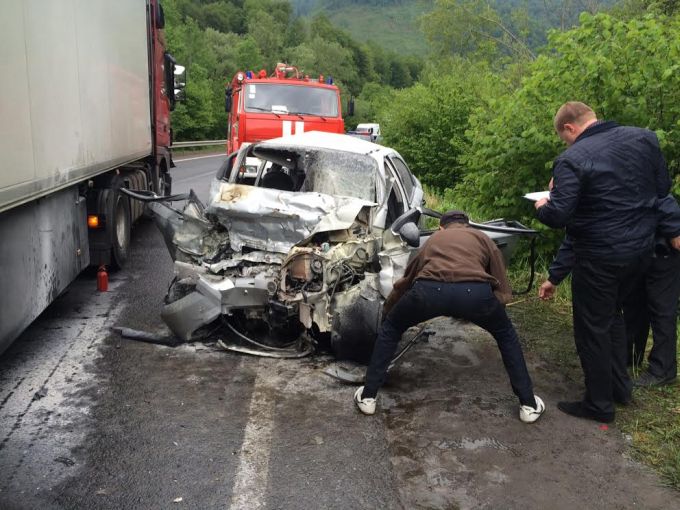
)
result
[(668, 226), (606, 186)]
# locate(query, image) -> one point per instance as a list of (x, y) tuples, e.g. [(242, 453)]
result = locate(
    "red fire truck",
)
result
[(286, 102)]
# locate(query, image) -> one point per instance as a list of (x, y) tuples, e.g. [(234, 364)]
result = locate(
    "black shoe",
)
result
[(623, 401), (577, 409), (647, 380)]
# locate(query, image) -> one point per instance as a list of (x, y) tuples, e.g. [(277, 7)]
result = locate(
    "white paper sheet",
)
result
[(537, 195)]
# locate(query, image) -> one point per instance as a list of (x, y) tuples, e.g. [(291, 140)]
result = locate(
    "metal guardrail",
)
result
[(202, 143)]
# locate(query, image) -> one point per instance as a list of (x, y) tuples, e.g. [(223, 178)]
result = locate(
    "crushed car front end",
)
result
[(306, 255)]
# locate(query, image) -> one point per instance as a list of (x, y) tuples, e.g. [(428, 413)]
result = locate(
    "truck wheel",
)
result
[(120, 229), (164, 184)]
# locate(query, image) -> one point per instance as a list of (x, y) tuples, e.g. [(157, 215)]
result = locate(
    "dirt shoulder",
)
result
[(456, 441)]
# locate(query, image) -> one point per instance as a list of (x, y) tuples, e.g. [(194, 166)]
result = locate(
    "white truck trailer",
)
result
[(85, 96)]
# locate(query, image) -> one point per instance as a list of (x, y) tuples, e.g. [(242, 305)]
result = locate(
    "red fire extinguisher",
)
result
[(102, 279)]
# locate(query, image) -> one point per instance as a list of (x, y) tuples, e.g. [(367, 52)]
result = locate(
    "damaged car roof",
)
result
[(322, 140)]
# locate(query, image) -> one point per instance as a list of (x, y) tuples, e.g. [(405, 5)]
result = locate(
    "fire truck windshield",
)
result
[(291, 99)]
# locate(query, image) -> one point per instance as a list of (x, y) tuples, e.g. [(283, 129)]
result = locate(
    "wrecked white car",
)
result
[(306, 255)]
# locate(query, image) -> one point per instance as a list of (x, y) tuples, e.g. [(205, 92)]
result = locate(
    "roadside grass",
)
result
[(652, 421)]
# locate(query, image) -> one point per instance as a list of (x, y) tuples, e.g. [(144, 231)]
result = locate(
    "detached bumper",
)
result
[(214, 298)]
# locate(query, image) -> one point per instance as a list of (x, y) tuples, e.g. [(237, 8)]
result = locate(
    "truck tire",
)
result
[(165, 183), (120, 227)]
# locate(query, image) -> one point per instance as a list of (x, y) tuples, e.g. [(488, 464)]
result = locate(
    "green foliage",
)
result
[(626, 70), (426, 123), (374, 98)]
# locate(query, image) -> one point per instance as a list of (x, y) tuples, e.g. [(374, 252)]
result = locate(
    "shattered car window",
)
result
[(338, 173)]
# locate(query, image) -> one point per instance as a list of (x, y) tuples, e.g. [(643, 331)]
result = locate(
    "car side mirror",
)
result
[(227, 99), (410, 216), (410, 233), (180, 82)]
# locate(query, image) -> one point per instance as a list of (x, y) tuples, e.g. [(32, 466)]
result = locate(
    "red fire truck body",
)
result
[(262, 107)]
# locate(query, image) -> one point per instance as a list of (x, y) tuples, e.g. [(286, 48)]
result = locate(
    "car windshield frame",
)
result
[(290, 99)]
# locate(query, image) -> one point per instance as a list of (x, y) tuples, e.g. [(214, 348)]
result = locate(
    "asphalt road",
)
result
[(91, 420)]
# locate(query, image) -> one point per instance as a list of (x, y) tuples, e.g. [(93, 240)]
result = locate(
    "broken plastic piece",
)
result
[(186, 315), (145, 336)]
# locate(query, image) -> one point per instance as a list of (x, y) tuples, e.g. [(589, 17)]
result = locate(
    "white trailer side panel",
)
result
[(74, 93)]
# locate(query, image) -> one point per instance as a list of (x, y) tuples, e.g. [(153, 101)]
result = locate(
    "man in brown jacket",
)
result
[(459, 272)]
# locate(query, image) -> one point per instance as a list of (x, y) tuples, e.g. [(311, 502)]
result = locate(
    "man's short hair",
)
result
[(573, 112), (453, 217)]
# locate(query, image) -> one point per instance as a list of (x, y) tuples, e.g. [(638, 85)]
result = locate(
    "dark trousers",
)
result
[(472, 301), (599, 288), (655, 302)]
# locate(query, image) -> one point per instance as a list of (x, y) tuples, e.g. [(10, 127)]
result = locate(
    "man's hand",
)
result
[(540, 203), (675, 243), (546, 290)]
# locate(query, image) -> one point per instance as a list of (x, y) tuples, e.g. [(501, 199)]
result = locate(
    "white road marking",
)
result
[(250, 481), (199, 157)]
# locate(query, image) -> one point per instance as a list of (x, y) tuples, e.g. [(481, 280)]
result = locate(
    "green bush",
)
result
[(426, 123), (626, 70)]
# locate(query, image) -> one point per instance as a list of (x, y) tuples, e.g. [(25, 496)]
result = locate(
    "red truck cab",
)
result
[(262, 107)]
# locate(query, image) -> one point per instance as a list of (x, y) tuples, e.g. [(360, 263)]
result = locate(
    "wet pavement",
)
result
[(92, 420)]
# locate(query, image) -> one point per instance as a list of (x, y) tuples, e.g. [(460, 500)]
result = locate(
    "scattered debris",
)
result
[(145, 336), (177, 500), (65, 461), (42, 392), (282, 353)]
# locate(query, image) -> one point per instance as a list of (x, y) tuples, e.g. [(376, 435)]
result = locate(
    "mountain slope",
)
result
[(393, 25)]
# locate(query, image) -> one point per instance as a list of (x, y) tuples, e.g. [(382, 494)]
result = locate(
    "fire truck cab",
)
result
[(262, 107)]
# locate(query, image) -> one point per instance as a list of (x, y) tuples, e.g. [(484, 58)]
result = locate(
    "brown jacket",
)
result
[(459, 253)]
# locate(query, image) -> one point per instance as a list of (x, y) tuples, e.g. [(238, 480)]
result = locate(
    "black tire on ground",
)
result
[(119, 226)]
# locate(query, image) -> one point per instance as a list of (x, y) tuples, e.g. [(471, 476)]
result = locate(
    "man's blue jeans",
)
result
[(471, 301)]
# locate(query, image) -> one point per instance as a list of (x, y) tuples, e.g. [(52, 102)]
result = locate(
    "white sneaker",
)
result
[(529, 414), (365, 405)]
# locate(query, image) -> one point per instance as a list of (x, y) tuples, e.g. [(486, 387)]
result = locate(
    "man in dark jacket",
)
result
[(653, 302), (606, 187), (459, 272)]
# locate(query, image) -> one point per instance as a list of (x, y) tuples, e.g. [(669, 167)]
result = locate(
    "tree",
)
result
[(472, 26), (268, 33), (426, 123), (627, 71)]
